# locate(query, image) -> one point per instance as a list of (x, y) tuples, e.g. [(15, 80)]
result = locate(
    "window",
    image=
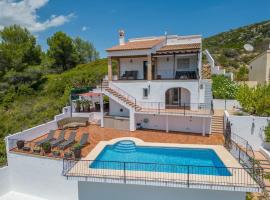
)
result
[(183, 63), (145, 92)]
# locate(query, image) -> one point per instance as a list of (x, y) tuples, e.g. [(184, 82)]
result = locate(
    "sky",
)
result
[(98, 21)]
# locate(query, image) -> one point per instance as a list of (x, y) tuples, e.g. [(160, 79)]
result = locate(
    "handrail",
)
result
[(161, 174), (123, 93)]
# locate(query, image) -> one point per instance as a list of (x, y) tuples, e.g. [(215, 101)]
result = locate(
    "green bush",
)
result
[(255, 100), (223, 88), (267, 132)]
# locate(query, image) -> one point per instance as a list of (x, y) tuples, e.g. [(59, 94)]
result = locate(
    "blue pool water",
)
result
[(126, 155)]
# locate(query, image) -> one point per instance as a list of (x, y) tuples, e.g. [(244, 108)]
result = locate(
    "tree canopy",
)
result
[(223, 87), (62, 50)]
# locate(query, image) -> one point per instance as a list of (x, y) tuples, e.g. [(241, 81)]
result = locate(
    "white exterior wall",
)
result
[(40, 177), (135, 65), (105, 191), (175, 123), (158, 89), (115, 109), (4, 180)]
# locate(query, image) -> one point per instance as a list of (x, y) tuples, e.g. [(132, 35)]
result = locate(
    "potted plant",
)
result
[(68, 154), (37, 149), (77, 151), (266, 143), (56, 153), (20, 144), (47, 147)]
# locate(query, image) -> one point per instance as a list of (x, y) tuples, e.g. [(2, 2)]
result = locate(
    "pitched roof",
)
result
[(136, 45), (180, 47)]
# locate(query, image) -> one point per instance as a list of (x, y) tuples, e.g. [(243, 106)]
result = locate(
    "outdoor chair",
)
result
[(49, 138), (84, 139), (68, 142), (61, 138)]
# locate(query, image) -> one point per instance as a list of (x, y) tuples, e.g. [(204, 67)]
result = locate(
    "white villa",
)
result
[(158, 85), (159, 138)]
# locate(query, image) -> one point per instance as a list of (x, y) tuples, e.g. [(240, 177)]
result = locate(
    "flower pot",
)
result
[(77, 153), (20, 144), (266, 145), (56, 153), (67, 154)]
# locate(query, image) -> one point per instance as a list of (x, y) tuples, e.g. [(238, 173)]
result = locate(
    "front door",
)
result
[(145, 70)]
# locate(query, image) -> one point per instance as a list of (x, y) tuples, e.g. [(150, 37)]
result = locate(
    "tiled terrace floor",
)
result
[(98, 134)]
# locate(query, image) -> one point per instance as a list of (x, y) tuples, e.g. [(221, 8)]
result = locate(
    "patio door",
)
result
[(145, 63), (173, 97)]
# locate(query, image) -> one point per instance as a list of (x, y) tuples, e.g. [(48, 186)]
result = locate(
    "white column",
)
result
[(203, 126), (109, 68), (101, 110), (167, 124), (132, 120)]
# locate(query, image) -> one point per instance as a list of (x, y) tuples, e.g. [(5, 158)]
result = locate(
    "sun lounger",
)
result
[(84, 139), (68, 142), (49, 138), (60, 139)]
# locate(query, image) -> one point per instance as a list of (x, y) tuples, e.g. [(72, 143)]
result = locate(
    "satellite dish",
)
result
[(248, 47)]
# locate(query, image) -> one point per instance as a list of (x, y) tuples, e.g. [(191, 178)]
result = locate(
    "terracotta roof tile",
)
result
[(180, 47), (136, 45)]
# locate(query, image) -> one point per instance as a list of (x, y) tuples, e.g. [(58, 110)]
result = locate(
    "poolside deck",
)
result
[(98, 134)]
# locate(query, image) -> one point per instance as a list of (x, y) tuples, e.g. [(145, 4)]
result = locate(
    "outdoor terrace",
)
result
[(98, 134)]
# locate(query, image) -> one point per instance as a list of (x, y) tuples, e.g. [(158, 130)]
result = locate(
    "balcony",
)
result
[(181, 176)]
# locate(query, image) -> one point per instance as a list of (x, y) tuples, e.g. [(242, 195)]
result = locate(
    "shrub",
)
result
[(267, 132), (223, 88)]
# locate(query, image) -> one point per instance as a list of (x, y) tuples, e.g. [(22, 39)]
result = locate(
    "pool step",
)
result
[(125, 146)]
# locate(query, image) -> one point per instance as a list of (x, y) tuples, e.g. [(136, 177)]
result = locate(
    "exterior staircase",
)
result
[(120, 95), (217, 124)]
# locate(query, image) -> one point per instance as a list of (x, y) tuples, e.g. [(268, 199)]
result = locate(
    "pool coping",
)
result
[(197, 180)]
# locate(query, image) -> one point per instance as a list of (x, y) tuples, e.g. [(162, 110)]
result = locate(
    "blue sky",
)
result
[(103, 18)]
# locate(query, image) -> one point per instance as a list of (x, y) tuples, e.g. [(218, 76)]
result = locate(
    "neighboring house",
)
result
[(216, 70), (158, 85), (259, 68)]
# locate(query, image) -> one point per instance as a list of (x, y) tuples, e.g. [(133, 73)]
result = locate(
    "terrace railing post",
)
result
[(158, 107), (125, 173), (188, 176), (184, 109), (135, 104), (239, 155)]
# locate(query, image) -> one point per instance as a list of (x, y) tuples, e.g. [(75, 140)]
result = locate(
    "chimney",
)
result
[(121, 37)]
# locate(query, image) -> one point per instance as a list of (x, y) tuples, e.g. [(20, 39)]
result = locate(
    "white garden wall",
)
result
[(105, 191), (228, 104), (4, 180), (40, 177), (251, 128), (175, 123), (37, 131)]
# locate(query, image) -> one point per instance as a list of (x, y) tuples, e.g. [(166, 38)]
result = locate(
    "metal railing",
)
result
[(123, 93), (169, 175), (183, 108), (243, 152)]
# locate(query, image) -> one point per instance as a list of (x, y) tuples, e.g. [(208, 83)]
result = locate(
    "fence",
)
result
[(183, 108), (169, 175), (243, 152)]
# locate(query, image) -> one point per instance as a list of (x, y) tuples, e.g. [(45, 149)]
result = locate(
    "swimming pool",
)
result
[(126, 155)]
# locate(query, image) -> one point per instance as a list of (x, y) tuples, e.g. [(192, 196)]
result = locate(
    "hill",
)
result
[(227, 47), (28, 110)]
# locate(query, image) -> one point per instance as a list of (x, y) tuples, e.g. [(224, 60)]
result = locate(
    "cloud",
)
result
[(24, 13), (84, 28)]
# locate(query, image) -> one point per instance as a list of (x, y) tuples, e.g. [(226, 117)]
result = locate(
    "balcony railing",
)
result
[(182, 109), (169, 175)]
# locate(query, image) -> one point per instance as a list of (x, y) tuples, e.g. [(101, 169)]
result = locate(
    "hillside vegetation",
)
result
[(227, 48)]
